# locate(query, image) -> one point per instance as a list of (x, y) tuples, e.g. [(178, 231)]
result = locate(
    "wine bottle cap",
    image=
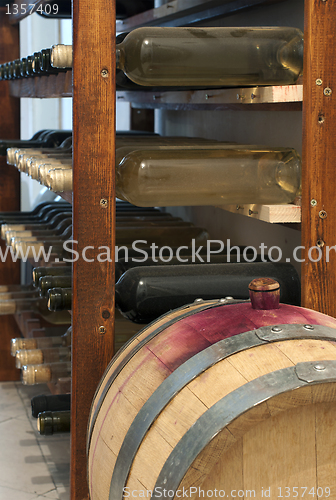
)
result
[(4, 228), (61, 56), (28, 357), (4, 288), (35, 374), (45, 423), (10, 155), (59, 179), (20, 343), (7, 307)]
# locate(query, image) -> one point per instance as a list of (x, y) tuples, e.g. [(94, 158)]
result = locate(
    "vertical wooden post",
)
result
[(9, 188), (319, 157), (93, 215)]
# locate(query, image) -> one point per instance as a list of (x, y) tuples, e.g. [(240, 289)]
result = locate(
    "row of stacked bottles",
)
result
[(201, 271)]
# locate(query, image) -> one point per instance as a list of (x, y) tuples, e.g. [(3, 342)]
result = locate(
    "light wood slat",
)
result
[(267, 213), (287, 97)]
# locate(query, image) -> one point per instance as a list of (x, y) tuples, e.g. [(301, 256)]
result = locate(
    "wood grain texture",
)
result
[(59, 85), (9, 190), (319, 156), (93, 224)]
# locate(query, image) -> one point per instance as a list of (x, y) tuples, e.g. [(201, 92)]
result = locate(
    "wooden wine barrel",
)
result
[(218, 396)]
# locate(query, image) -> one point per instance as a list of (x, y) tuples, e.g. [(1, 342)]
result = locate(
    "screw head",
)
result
[(318, 81), (322, 214), (313, 203), (198, 300), (104, 73), (308, 327), (319, 367), (276, 329), (327, 91), (320, 243), (103, 203), (102, 330)]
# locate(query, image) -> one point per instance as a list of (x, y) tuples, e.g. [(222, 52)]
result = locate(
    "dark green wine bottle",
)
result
[(50, 402), (52, 422)]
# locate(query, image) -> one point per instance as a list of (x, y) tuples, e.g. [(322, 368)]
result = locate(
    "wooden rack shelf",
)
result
[(274, 214), (272, 98), (187, 12), (59, 85)]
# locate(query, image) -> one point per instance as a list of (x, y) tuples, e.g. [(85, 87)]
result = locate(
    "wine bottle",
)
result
[(41, 374), (31, 216), (185, 257), (23, 223), (32, 248), (51, 422), (56, 217), (41, 158), (16, 288), (42, 356), (19, 344), (205, 177), (39, 272), (207, 57), (47, 282), (36, 304), (61, 9), (50, 402), (19, 295), (38, 233), (32, 213), (140, 299), (125, 236), (51, 139), (59, 299), (212, 56)]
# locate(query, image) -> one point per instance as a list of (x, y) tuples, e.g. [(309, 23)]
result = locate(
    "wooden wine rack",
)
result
[(93, 92)]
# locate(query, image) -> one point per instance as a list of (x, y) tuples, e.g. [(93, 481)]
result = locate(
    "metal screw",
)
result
[(104, 73), (308, 327), (103, 203), (320, 243), (322, 214), (240, 96), (229, 298), (102, 330), (276, 329), (198, 300), (251, 212), (206, 96), (318, 81), (327, 91), (321, 119), (313, 203), (319, 367), (253, 96), (238, 207)]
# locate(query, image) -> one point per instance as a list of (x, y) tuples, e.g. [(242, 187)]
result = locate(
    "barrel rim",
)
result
[(188, 371), (189, 309), (229, 408)]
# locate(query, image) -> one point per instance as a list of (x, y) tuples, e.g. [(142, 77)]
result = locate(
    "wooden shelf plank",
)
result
[(273, 214), (59, 85), (288, 97), (187, 12)]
